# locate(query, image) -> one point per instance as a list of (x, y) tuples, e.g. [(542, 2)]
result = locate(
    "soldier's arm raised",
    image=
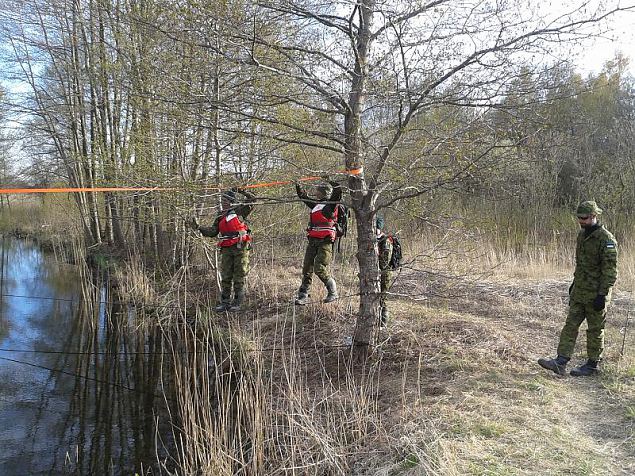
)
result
[(336, 196), (302, 195), (245, 209)]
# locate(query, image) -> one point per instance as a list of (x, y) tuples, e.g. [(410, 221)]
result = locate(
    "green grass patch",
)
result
[(490, 429), (410, 461)]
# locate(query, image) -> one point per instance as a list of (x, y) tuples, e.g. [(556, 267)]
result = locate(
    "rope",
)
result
[(14, 191)]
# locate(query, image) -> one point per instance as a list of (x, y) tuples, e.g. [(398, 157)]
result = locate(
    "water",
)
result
[(77, 395)]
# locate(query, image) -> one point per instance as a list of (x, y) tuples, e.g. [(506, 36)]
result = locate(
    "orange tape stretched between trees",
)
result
[(12, 191)]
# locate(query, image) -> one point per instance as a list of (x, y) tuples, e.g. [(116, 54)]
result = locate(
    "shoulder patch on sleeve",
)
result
[(610, 245)]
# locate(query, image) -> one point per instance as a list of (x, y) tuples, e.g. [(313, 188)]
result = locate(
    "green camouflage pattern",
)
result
[(234, 260), (234, 266), (588, 207), (596, 321), (317, 258), (595, 265), (595, 273), (384, 250)]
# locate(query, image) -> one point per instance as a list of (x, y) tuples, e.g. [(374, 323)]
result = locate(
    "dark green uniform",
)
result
[(319, 251), (234, 260), (317, 258), (384, 250), (595, 274)]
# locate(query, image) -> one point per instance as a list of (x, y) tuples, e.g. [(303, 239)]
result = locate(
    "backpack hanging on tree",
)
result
[(396, 255), (341, 226)]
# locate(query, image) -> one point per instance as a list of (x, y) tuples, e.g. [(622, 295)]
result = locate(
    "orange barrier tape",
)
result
[(303, 179), (283, 182), (12, 191)]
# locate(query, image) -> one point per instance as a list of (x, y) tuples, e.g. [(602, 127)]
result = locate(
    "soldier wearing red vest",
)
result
[(321, 234), (234, 241)]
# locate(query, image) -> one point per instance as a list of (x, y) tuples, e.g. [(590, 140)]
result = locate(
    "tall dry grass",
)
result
[(264, 397)]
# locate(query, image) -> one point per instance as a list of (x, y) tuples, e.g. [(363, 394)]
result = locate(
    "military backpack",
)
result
[(341, 226), (396, 255)]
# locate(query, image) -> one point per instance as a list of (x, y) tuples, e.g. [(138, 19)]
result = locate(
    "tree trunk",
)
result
[(363, 199)]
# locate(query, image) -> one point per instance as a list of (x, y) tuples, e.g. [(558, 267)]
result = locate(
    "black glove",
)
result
[(599, 302)]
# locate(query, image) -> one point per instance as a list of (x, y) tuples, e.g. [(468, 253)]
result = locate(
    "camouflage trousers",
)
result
[(596, 320), (234, 266), (384, 283), (317, 258)]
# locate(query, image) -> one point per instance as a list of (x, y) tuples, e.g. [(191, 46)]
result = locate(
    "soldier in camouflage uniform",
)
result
[(321, 234), (384, 251), (590, 292), (234, 242)]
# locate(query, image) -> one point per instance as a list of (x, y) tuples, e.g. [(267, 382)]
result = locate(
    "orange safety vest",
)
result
[(232, 230), (320, 226)]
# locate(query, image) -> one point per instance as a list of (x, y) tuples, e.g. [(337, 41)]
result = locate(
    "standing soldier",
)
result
[(384, 251), (321, 234), (594, 276), (234, 240)]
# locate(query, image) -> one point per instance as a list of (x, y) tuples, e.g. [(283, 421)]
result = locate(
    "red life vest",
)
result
[(320, 226), (232, 230)]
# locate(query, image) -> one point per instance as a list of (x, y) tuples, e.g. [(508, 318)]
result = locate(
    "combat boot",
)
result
[(586, 370), (331, 287), (303, 297), (557, 365), (239, 298), (224, 303)]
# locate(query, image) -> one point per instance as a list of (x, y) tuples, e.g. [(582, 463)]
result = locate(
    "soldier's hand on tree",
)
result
[(193, 224), (599, 302)]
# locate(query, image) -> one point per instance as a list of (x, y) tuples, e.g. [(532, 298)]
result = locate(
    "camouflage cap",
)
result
[(228, 195), (588, 207), (325, 189)]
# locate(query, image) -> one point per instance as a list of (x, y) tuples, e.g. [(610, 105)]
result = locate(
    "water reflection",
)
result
[(77, 395)]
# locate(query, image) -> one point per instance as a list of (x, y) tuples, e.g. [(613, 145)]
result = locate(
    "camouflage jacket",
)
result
[(384, 250), (595, 264), (242, 210), (331, 202)]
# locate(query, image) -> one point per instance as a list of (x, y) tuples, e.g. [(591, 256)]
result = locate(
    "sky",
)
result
[(621, 38)]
